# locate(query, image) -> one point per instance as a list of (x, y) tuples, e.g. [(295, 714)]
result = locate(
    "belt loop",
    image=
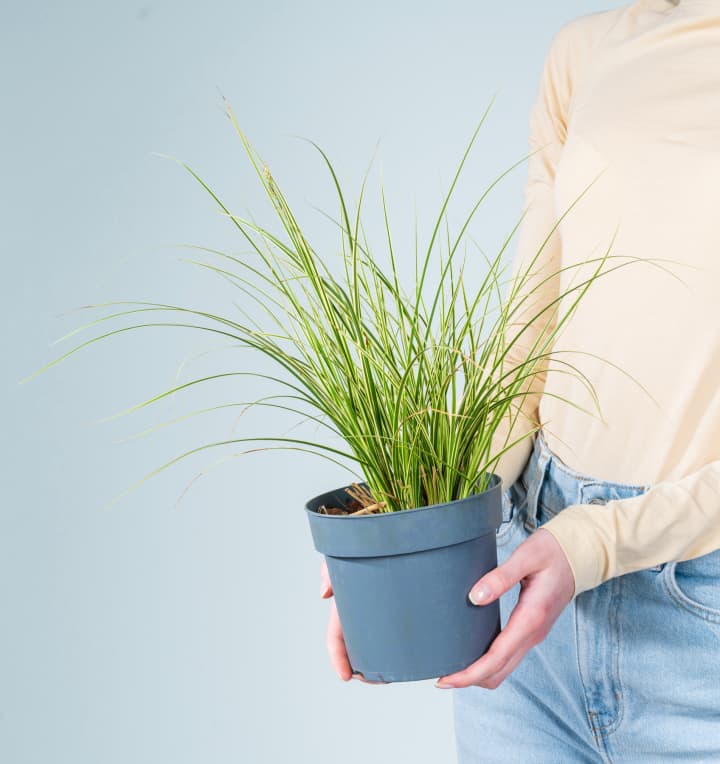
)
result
[(535, 482), (534, 495)]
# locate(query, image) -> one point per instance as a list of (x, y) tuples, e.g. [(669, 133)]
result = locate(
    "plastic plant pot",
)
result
[(401, 582)]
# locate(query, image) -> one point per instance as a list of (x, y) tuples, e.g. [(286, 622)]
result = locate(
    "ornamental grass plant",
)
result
[(414, 380)]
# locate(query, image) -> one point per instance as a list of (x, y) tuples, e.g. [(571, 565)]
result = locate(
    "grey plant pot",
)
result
[(401, 582)]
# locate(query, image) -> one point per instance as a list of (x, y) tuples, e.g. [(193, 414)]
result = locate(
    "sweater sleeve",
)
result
[(537, 254), (672, 521)]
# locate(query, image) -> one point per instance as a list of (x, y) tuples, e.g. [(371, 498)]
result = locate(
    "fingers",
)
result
[(526, 627), (367, 681), (525, 559), (493, 681), (335, 640), (338, 652), (325, 585), (546, 581), (336, 645)]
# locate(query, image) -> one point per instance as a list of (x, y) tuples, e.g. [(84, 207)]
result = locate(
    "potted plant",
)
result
[(419, 388)]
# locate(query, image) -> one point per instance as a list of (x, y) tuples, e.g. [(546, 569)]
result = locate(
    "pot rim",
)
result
[(408, 530), (495, 481)]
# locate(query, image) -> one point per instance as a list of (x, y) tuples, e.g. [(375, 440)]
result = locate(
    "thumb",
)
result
[(502, 578)]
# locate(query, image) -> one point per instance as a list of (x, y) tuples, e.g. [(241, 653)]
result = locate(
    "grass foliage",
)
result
[(408, 384)]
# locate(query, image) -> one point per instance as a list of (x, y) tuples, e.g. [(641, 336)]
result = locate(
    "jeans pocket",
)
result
[(695, 585)]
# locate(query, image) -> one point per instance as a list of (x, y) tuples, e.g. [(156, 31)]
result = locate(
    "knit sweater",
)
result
[(625, 142)]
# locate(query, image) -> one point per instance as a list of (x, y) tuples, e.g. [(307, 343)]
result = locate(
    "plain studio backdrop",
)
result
[(178, 625)]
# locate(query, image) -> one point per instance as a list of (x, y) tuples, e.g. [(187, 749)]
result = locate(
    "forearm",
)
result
[(677, 520)]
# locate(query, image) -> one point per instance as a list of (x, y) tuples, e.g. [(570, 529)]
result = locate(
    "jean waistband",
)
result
[(551, 485)]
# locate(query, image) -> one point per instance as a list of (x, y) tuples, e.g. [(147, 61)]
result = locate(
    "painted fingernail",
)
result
[(324, 591), (444, 685), (479, 595)]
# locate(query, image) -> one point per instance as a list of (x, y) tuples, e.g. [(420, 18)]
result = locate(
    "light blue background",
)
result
[(169, 629)]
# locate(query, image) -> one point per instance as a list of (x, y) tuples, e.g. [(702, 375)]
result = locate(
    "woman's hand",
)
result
[(335, 639), (547, 585)]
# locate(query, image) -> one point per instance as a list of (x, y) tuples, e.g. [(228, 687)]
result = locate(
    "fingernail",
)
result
[(479, 595), (444, 685), (324, 590)]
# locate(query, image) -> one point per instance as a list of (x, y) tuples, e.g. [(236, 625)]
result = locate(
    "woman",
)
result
[(610, 650)]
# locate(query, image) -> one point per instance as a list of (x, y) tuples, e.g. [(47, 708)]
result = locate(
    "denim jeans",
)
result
[(630, 671)]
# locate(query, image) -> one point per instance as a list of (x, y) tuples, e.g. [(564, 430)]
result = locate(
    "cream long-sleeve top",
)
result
[(625, 154)]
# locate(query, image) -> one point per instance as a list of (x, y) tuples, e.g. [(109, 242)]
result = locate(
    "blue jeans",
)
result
[(630, 672)]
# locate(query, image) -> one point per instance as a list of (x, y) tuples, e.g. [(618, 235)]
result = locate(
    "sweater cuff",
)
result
[(582, 546)]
